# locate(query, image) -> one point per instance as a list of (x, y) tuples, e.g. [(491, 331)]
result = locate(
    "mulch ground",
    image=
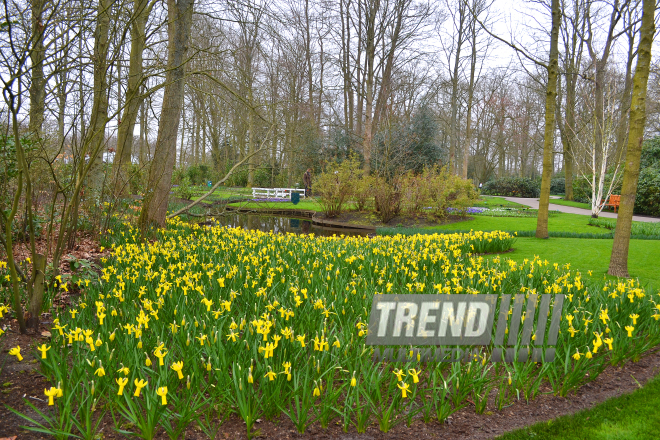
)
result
[(20, 381)]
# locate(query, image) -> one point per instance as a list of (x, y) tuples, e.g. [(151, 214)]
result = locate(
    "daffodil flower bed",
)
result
[(209, 321)]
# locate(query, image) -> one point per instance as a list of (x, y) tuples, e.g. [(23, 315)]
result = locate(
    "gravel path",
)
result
[(534, 204)]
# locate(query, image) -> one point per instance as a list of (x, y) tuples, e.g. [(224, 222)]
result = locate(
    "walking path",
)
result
[(534, 204)]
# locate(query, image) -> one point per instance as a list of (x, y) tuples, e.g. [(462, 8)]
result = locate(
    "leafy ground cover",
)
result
[(638, 228), (631, 416), (206, 321)]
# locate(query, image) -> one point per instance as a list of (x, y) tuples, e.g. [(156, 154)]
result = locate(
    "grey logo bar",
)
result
[(451, 320)]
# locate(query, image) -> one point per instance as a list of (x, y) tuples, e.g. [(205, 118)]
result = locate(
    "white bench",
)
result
[(276, 193)]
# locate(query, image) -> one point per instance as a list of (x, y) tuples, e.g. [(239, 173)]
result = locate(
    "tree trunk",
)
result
[(154, 208), (468, 117), (548, 137), (370, 55), (99, 117), (38, 83), (619, 259), (141, 10)]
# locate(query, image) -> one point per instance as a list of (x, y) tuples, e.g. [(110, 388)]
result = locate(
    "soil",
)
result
[(20, 381)]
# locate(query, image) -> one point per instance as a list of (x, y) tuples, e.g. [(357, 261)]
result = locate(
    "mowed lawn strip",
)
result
[(633, 416), (572, 203), (558, 222), (593, 255)]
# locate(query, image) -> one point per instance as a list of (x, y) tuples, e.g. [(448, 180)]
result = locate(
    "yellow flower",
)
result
[(124, 370), (414, 373), (100, 372), (630, 329), (43, 349), (570, 318), (404, 388), (399, 374), (301, 339), (139, 384), (603, 316), (634, 318), (270, 375), (576, 356), (52, 393), (160, 355), (287, 370), (353, 380), (608, 341), (122, 383), (162, 392), (16, 351), (177, 366)]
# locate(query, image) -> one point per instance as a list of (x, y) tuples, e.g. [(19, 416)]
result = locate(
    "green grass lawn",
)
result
[(632, 416), (592, 255), (223, 193), (304, 204), (571, 203), (495, 202), (560, 222)]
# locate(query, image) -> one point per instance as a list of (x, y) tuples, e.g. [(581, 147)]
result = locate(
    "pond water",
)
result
[(280, 225)]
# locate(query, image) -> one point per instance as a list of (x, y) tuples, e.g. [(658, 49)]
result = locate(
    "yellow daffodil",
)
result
[(16, 351), (139, 384), (629, 329), (404, 388), (178, 366), (162, 392), (414, 373), (51, 394), (399, 374), (43, 349), (270, 375), (609, 341), (122, 381)]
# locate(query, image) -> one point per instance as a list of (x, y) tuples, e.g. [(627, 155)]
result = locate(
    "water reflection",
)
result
[(279, 225)]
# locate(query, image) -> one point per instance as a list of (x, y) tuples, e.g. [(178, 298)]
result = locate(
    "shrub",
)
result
[(363, 192), (137, 176), (336, 185), (647, 200), (185, 190), (387, 198), (415, 192), (512, 187), (448, 192), (558, 186)]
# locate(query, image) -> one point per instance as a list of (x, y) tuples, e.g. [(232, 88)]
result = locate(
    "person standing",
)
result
[(307, 181)]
